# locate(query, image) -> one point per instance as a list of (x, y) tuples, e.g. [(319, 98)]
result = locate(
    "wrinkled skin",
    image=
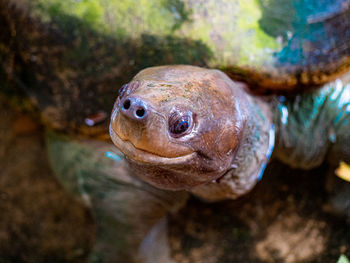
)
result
[(218, 115), (204, 152), (230, 135)]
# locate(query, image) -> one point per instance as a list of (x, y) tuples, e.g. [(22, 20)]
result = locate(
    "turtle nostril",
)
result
[(134, 108), (126, 104), (140, 112)]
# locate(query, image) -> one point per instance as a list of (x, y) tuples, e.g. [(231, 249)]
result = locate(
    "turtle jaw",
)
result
[(168, 173), (145, 157)]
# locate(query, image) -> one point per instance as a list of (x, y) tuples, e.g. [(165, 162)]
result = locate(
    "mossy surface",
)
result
[(72, 56)]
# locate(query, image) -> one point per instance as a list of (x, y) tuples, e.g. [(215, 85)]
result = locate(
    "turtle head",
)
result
[(179, 126)]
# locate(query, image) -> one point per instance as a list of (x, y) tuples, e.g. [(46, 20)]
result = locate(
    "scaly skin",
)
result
[(221, 154), (131, 214), (309, 128), (314, 126)]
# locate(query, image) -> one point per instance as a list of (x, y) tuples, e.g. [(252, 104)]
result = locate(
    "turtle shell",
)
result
[(71, 56)]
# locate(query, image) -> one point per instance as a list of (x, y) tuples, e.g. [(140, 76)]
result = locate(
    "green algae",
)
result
[(129, 18), (234, 37)]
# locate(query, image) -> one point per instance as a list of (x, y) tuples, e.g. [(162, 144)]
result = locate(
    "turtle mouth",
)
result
[(142, 156)]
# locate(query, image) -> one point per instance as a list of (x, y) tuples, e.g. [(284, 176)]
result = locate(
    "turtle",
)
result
[(180, 129), (189, 128)]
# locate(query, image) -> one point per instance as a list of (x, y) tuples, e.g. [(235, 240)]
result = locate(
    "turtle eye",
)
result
[(122, 89), (180, 125)]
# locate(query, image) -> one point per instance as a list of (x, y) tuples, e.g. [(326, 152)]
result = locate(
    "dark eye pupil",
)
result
[(181, 127), (180, 123)]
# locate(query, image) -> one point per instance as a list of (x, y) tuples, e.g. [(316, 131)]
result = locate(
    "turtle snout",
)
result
[(134, 108)]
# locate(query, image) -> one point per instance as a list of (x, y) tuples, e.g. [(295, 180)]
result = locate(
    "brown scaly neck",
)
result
[(251, 158)]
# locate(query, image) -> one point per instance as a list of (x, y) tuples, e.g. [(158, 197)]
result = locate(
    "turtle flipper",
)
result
[(130, 214), (314, 127), (338, 188), (130, 221), (340, 148)]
